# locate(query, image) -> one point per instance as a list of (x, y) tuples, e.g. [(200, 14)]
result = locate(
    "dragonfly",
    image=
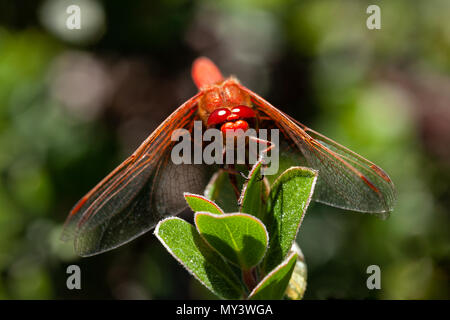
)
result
[(148, 186)]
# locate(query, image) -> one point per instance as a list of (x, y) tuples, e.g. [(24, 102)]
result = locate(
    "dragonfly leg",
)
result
[(232, 172), (243, 175), (234, 184), (270, 145)]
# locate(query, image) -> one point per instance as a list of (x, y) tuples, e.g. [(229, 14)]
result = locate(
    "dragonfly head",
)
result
[(231, 119), (226, 106)]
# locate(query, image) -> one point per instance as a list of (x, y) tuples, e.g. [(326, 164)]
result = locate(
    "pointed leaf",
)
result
[(184, 243), (254, 192), (273, 286), (219, 190), (288, 200), (241, 238), (200, 203)]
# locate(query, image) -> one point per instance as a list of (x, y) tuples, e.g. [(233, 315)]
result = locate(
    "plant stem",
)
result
[(249, 278)]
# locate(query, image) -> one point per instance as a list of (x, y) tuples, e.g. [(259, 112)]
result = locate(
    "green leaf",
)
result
[(184, 243), (200, 203), (273, 286), (220, 191), (287, 158), (241, 238), (288, 200), (254, 193)]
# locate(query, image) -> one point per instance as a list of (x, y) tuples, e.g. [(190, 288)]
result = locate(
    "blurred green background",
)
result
[(75, 103)]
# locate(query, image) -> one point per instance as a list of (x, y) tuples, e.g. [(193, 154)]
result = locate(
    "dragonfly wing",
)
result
[(379, 195), (346, 180), (125, 204), (160, 197)]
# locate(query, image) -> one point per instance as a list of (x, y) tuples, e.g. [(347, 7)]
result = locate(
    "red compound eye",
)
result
[(243, 112), (218, 116)]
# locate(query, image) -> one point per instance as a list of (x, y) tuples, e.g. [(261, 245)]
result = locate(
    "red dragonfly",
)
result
[(147, 186)]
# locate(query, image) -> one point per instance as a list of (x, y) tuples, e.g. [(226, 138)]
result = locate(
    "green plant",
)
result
[(250, 254)]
